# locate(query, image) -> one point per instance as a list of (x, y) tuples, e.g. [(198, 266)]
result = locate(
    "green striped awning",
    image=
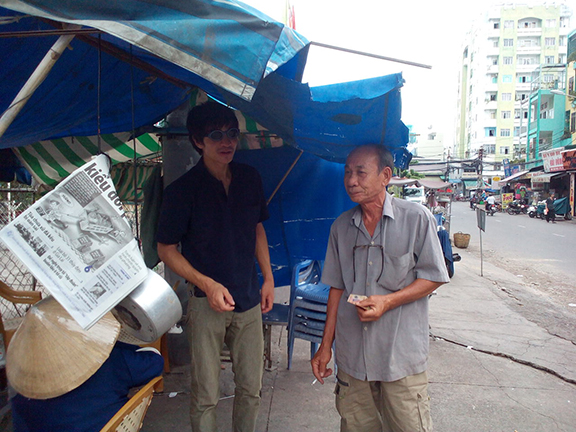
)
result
[(51, 161)]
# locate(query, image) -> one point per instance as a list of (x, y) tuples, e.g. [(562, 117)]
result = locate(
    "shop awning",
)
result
[(512, 177), (543, 177), (434, 184)]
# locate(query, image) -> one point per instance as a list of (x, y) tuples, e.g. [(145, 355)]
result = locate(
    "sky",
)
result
[(422, 31)]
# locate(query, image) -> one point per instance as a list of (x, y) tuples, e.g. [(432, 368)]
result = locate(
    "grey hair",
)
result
[(385, 158)]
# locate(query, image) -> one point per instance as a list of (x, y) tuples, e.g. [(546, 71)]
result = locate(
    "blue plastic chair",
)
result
[(280, 313), (309, 299)]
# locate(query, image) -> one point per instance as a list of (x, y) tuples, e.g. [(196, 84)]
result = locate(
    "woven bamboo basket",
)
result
[(461, 240)]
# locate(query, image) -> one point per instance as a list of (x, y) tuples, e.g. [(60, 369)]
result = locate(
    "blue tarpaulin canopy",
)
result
[(148, 57), (232, 41)]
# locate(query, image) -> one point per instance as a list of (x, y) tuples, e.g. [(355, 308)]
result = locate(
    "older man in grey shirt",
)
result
[(385, 249)]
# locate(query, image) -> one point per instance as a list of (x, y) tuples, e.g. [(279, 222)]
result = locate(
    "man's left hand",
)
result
[(372, 308), (267, 294)]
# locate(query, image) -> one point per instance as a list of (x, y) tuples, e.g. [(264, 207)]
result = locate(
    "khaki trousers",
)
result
[(375, 406), (208, 330)]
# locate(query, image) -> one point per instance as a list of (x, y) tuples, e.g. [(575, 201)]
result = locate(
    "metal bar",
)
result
[(351, 51), (41, 33), (37, 78)]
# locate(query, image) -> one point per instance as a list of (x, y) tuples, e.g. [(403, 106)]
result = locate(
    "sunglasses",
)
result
[(218, 135)]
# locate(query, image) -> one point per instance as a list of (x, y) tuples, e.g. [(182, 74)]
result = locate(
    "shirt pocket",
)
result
[(398, 271)]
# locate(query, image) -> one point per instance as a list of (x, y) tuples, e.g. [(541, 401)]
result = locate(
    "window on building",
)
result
[(570, 84), (495, 42), (494, 79), (492, 97), (549, 59), (508, 42), (564, 22), (562, 41), (506, 114), (504, 150), (550, 23), (573, 122), (490, 132), (489, 148), (550, 41), (508, 60), (516, 131), (496, 25), (504, 132), (506, 96), (492, 115), (507, 78), (562, 58), (508, 24)]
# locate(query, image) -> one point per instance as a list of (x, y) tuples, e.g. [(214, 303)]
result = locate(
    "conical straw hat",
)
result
[(50, 354)]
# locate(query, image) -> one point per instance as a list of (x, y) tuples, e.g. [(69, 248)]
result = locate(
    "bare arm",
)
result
[(324, 353), (263, 257), (375, 306), (218, 295)]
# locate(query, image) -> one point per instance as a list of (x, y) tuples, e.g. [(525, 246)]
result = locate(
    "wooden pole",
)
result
[(37, 78)]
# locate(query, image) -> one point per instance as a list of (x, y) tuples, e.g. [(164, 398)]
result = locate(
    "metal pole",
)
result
[(37, 77), (481, 257), (351, 51)]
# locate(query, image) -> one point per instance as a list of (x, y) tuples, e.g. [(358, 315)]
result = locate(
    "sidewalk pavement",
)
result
[(490, 370)]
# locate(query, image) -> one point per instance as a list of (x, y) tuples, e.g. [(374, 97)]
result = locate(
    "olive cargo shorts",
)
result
[(375, 406)]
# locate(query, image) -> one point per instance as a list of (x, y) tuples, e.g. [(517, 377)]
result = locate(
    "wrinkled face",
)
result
[(222, 151), (363, 182)]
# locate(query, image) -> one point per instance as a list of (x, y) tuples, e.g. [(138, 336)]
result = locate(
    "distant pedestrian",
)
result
[(550, 212)]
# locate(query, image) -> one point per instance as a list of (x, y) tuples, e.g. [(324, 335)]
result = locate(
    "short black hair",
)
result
[(203, 119), (385, 158)]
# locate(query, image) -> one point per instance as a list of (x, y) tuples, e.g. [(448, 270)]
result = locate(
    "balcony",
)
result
[(524, 31)]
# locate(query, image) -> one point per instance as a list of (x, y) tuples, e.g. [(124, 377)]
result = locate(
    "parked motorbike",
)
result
[(537, 210), (517, 207), (561, 207)]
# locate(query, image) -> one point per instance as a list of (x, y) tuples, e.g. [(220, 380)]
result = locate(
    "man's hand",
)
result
[(372, 308), (267, 294), (219, 297), (319, 362)]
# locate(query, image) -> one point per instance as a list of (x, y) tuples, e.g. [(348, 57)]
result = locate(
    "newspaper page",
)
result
[(77, 242)]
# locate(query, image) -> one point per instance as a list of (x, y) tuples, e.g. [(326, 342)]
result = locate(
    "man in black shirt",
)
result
[(215, 212)]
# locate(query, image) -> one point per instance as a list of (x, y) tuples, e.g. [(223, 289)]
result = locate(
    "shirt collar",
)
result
[(387, 210)]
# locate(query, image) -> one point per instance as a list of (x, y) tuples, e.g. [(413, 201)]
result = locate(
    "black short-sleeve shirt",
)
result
[(217, 232)]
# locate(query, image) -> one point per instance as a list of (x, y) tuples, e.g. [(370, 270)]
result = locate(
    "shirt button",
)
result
[(370, 263), (365, 328), (372, 242)]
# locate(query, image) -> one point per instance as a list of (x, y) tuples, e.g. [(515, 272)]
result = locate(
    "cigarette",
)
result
[(314, 382)]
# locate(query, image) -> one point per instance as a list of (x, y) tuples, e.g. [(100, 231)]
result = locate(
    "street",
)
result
[(540, 253), (549, 246)]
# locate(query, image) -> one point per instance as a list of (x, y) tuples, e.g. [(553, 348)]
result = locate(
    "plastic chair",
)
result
[(130, 417), (279, 315), (309, 299)]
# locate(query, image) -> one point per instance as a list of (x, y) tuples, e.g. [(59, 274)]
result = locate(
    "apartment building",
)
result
[(509, 52)]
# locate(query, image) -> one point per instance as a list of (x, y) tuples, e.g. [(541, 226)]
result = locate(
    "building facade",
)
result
[(508, 55)]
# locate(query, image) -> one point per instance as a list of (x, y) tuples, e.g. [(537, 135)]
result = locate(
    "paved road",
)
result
[(540, 253), (549, 246)]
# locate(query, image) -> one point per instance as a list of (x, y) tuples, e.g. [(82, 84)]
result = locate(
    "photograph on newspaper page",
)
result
[(78, 243)]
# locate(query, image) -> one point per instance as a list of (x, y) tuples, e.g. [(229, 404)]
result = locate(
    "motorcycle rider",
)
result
[(490, 202)]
